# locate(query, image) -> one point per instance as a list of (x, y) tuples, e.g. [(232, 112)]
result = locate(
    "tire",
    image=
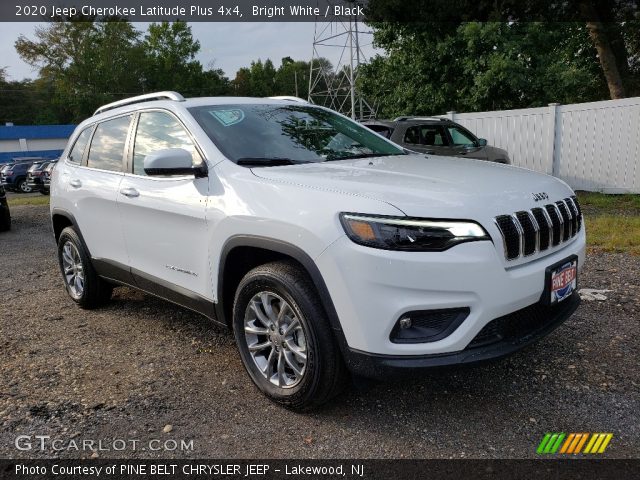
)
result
[(22, 187), (44, 192), (87, 290), (323, 374)]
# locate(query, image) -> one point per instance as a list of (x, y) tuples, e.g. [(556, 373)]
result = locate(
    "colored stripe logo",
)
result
[(574, 443)]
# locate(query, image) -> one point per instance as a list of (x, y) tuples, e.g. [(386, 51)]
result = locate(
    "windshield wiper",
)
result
[(364, 155), (265, 161)]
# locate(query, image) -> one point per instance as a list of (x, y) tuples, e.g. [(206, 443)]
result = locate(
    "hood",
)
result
[(427, 186)]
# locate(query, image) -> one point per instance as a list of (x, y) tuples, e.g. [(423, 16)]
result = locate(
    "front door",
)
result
[(163, 218), (464, 143)]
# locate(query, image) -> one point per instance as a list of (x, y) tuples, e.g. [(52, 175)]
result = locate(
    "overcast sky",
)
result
[(228, 45)]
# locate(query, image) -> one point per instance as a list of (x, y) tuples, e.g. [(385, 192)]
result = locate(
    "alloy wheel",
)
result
[(73, 269), (276, 339)]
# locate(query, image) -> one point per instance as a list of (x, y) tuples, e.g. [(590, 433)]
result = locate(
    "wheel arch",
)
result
[(248, 251), (61, 219)]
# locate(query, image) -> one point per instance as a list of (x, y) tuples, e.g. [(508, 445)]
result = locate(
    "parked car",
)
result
[(5, 215), (14, 175), (437, 136), (46, 177), (326, 248), (35, 177)]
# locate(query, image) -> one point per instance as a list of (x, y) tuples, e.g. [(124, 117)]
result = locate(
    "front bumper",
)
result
[(371, 289), (535, 322)]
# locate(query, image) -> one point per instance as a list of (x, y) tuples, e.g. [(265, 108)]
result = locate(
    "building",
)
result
[(46, 141)]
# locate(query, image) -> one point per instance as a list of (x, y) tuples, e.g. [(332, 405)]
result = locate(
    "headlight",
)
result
[(414, 234)]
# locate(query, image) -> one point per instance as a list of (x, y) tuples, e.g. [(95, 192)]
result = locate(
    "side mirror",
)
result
[(482, 142), (172, 161)]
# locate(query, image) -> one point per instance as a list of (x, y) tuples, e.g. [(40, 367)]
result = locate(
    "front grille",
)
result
[(519, 325), (529, 231)]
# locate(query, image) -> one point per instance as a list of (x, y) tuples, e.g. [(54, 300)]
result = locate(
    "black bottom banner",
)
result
[(325, 469)]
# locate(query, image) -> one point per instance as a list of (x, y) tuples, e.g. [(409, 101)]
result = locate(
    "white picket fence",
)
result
[(591, 146)]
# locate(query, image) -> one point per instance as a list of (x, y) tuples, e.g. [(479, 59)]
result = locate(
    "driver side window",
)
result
[(461, 137), (159, 131)]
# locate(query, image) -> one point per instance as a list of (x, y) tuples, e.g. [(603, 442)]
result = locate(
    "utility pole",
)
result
[(336, 87)]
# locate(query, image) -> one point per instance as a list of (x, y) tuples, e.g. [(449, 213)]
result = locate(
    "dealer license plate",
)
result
[(564, 280)]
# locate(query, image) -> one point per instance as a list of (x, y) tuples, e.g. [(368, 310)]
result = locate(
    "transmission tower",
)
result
[(335, 87)]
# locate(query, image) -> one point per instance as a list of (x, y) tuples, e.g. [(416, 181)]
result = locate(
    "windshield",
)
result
[(281, 134)]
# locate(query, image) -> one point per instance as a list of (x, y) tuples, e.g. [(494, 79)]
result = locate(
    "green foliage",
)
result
[(262, 79), (481, 66), (85, 63)]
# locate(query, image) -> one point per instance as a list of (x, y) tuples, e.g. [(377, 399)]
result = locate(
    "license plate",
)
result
[(563, 281)]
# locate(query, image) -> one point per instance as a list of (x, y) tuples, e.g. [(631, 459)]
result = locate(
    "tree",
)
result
[(241, 85), (87, 63), (481, 66), (262, 78), (607, 31), (84, 63), (292, 78)]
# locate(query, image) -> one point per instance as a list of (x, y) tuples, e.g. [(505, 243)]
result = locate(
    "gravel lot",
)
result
[(131, 370)]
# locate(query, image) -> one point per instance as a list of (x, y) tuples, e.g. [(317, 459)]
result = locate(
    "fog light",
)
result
[(423, 326), (405, 322)]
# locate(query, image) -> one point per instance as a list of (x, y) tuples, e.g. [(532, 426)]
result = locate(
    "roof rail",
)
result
[(405, 118), (141, 98), (290, 98)]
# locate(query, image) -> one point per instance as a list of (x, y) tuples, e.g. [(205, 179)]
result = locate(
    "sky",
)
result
[(228, 46)]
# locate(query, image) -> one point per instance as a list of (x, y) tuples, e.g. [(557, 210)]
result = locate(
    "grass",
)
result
[(16, 200), (609, 203), (612, 221)]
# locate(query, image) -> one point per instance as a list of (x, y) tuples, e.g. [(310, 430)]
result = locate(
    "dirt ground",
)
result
[(169, 384)]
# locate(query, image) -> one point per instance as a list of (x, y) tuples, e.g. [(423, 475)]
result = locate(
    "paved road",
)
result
[(131, 369)]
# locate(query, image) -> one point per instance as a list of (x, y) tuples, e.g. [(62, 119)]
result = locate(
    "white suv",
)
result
[(324, 246)]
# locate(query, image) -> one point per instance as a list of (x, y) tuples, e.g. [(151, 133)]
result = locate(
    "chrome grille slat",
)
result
[(518, 225), (566, 220), (537, 229), (527, 232)]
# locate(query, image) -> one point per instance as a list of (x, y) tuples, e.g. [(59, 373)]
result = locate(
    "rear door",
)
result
[(427, 138), (92, 187), (163, 217)]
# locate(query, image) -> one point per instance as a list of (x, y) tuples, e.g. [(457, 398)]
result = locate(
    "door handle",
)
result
[(130, 192), (75, 183)]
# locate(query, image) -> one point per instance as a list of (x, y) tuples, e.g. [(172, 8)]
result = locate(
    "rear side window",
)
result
[(159, 131), (77, 151), (382, 130), (107, 147), (432, 135)]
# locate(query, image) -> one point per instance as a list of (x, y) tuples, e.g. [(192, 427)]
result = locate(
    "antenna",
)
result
[(336, 87)]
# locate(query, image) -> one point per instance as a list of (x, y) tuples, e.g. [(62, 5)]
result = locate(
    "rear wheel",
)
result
[(284, 338), (80, 279)]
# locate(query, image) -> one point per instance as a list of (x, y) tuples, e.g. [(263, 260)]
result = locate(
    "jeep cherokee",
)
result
[(325, 247)]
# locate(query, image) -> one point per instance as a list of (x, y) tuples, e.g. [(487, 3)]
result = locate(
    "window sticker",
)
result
[(228, 117)]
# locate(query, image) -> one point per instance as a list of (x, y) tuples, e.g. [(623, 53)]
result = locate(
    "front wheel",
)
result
[(83, 284), (284, 338)]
